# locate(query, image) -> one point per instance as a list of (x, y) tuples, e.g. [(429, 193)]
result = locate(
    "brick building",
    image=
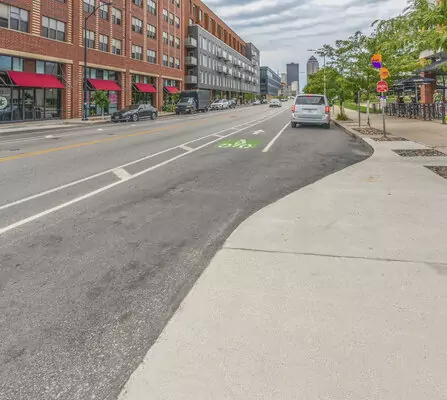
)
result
[(136, 52)]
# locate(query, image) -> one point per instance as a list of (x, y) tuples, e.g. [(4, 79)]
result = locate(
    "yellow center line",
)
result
[(98, 141)]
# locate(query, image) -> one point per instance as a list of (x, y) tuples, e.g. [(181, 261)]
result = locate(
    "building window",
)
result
[(177, 22), (53, 29), (103, 43), (13, 18), (165, 15), (177, 42), (116, 16), (104, 11), (89, 6), (165, 38), (89, 39), (152, 7), (165, 60), (49, 68), (177, 3), (171, 62), (151, 31), (151, 56), (137, 25), (137, 52), (171, 18), (190, 22), (116, 46), (138, 3), (200, 15), (211, 25), (171, 40), (177, 63)]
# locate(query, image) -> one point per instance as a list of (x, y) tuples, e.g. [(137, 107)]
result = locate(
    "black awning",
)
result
[(436, 67), (415, 80)]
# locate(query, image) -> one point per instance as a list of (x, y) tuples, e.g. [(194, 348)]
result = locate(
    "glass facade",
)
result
[(139, 97), (102, 74)]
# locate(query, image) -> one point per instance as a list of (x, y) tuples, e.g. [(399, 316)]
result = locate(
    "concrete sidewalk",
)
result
[(430, 133), (337, 291)]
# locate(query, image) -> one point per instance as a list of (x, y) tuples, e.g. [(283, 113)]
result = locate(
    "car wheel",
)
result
[(135, 117), (293, 124), (153, 115)]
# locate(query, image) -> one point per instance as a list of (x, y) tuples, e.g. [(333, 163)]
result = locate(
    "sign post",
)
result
[(382, 87)]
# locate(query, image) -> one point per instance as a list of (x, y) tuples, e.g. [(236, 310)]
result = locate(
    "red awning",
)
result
[(100, 84), (145, 88), (171, 89), (30, 79)]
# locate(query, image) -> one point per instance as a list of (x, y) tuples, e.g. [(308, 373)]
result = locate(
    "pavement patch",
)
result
[(238, 144)]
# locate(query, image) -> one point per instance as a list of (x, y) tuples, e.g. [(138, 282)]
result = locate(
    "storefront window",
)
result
[(5, 104), (137, 96), (93, 109)]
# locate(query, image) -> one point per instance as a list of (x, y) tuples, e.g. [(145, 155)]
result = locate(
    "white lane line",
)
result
[(187, 148), (266, 149), (122, 174), (67, 185), (258, 132), (104, 188), (49, 137)]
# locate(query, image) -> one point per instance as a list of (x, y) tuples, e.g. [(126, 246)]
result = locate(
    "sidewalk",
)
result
[(433, 134), (39, 126), (337, 291)]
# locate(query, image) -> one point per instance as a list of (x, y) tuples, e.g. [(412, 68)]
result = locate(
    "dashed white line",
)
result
[(266, 149), (258, 132), (187, 148), (122, 174), (219, 136)]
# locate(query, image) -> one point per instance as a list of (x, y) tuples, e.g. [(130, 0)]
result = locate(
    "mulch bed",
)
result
[(369, 131), (420, 153), (390, 139), (440, 170)]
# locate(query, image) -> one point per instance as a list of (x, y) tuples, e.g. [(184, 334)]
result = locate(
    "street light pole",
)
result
[(85, 87)]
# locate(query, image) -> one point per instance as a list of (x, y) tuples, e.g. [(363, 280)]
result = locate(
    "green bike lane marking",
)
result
[(238, 144)]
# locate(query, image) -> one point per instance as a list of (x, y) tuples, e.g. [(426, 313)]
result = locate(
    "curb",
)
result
[(353, 133)]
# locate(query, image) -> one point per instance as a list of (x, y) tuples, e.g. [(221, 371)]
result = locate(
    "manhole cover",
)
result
[(390, 139), (440, 170), (420, 153)]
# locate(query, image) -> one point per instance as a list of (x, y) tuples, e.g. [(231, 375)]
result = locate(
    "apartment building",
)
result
[(216, 58), (270, 83), (135, 52)]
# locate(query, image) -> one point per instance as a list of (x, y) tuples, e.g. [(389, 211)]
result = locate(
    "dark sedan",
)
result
[(135, 113)]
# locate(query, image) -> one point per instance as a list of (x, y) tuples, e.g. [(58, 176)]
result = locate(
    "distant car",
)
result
[(256, 103), (219, 105), (311, 109), (264, 101), (275, 103), (134, 113), (232, 103), (283, 100)]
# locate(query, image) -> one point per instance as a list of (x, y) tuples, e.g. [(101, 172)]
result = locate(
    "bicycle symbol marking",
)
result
[(238, 144)]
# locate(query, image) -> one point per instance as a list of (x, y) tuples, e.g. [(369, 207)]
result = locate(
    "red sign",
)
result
[(382, 87)]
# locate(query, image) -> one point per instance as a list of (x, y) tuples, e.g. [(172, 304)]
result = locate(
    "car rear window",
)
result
[(310, 100)]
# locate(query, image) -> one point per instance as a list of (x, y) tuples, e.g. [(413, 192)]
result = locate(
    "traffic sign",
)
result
[(382, 86), (384, 73)]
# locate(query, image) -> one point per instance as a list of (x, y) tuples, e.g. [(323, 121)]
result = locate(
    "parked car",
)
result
[(312, 109), (275, 103), (135, 112), (219, 105), (232, 103), (264, 101), (256, 103), (192, 101)]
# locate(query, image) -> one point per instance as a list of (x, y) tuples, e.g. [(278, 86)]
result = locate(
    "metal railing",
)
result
[(425, 111)]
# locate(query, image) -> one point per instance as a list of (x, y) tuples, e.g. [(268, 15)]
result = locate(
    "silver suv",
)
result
[(312, 109)]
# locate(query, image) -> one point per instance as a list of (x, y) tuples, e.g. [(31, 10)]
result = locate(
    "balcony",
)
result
[(220, 68), (220, 54), (191, 79), (190, 61), (190, 43), (225, 70)]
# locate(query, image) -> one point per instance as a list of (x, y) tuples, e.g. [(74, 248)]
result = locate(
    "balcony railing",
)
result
[(190, 43), (190, 60), (191, 79)]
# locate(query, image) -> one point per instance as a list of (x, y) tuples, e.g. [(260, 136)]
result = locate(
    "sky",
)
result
[(283, 30)]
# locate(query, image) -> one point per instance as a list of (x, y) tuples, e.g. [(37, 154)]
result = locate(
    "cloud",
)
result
[(283, 30)]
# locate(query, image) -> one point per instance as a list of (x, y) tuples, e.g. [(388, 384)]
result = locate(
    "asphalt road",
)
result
[(104, 232)]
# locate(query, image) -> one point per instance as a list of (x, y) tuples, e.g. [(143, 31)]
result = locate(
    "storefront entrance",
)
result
[(29, 104)]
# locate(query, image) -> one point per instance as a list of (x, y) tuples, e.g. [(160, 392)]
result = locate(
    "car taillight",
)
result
[(328, 110), (293, 108)]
